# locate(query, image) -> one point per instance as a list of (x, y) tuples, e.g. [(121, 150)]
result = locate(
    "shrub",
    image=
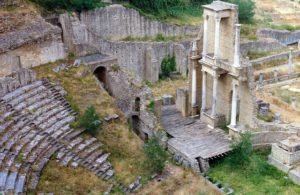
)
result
[(71, 5), (168, 65), (90, 121), (156, 155), (151, 106), (246, 10), (241, 150), (115, 67)]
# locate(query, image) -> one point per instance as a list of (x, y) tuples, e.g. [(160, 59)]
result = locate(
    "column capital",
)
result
[(238, 26)]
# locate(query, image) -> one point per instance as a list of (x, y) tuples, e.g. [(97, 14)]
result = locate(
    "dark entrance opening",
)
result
[(100, 73), (137, 104), (136, 124)]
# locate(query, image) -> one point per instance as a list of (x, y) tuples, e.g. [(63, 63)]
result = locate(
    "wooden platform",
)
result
[(193, 138)]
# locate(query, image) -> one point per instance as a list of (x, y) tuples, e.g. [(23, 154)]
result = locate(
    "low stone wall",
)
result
[(283, 36), (116, 22), (15, 80), (263, 45), (279, 56), (267, 138)]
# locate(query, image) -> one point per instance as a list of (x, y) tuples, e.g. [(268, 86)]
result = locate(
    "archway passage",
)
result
[(137, 104), (100, 73), (136, 124)]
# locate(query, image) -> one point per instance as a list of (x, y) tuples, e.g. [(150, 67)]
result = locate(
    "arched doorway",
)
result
[(135, 124), (100, 73), (137, 104)]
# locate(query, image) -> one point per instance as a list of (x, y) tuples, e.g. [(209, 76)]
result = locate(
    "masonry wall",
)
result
[(116, 22), (31, 55), (131, 55), (262, 45), (283, 36)]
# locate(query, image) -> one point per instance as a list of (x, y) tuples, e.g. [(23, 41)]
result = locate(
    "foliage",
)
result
[(246, 10), (241, 150), (168, 65), (156, 155), (115, 67), (224, 125), (91, 121), (245, 179), (71, 5), (267, 118), (151, 106)]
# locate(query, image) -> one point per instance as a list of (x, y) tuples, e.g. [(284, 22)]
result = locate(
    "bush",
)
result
[(156, 155), (90, 121), (71, 5), (241, 150), (168, 65), (246, 10)]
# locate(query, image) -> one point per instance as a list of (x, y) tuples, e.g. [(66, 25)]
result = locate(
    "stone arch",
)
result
[(101, 74)]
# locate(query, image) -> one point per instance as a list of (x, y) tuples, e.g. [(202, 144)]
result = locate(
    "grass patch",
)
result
[(268, 118), (159, 38), (125, 147), (167, 87), (257, 177), (270, 64)]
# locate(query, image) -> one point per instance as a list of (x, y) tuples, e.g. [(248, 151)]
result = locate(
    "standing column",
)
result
[(194, 88), (203, 107), (214, 100), (237, 46), (217, 37), (290, 65), (233, 106), (205, 36)]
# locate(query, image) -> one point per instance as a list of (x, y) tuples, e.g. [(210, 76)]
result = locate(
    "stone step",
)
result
[(11, 181), (19, 188), (89, 150), (3, 177)]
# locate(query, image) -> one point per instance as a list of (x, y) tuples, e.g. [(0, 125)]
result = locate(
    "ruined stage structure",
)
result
[(219, 77)]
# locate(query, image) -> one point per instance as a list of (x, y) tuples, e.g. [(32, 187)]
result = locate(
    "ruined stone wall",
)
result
[(4, 3), (263, 45), (144, 58), (33, 43), (283, 36), (279, 56), (15, 80), (117, 22)]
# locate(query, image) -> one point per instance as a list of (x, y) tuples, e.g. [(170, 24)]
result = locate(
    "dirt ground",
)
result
[(280, 11)]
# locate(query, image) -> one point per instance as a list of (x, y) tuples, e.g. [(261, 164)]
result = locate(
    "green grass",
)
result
[(257, 177), (159, 38)]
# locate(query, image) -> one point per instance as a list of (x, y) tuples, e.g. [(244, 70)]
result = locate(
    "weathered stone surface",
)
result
[(167, 100)]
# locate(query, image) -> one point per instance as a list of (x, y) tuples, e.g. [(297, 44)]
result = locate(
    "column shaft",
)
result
[(203, 107), (194, 88), (237, 46), (217, 38), (214, 100), (234, 106), (205, 36)]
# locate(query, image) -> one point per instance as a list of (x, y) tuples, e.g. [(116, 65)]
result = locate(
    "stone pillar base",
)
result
[(234, 133), (195, 110)]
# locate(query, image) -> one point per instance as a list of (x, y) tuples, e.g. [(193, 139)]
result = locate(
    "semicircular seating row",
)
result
[(35, 127)]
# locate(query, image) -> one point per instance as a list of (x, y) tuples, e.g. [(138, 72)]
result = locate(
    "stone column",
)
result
[(203, 107), (290, 65), (237, 46), (205, 36), (233, 105), (217, 37), (194, 88), (214, 100)]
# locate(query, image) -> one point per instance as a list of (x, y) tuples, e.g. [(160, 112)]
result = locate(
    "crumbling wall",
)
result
[(279, 56), (116, 22), (262, 45), (283, 36), (144, 58), (4, 3), (33, 43), (15, 80)]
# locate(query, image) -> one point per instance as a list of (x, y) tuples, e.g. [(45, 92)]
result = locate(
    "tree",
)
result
[(156, 155), (241, 150), (246, 10), (90, 121), (168, 65)]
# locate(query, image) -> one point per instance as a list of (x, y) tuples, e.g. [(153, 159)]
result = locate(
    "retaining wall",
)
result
[(280, 56), (116, 22), (283, 36), (263, 45)]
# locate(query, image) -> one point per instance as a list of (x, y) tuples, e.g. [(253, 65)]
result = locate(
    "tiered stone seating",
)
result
[(88, 154), (34, 118)]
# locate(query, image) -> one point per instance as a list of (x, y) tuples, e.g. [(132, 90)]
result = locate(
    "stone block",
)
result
[(167, 100), (182, 100)]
